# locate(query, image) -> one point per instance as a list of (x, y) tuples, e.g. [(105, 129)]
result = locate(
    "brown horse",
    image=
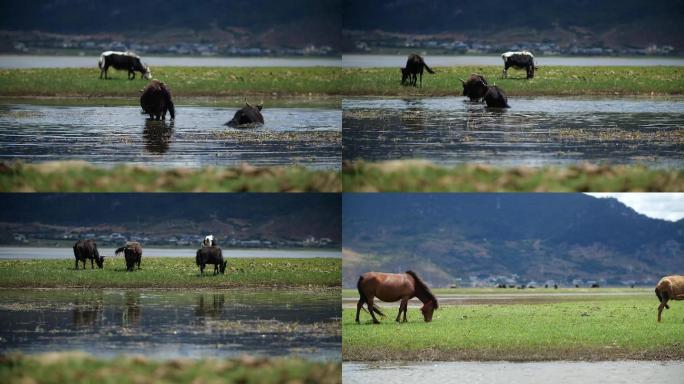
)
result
[(391, 287)]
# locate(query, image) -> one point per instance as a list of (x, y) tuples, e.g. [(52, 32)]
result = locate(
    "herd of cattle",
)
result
[(209, 253), (155, 98), (476, 88)]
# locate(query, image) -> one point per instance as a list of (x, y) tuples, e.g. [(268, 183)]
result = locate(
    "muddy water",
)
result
[(535, 131), (527, 373), (120, 134), (166, 324)]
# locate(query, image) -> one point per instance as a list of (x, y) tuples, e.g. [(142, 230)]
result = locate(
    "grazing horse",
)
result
[(87, 249), (391, 287), (669, 288), (132, 252), (414, 67)]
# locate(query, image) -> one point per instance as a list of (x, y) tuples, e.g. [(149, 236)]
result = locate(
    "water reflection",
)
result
[(157, 136), (535, 131), (172, 323)]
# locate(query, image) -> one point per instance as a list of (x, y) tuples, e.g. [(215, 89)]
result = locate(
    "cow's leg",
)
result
[(101, 73), (359, 306), (201, 269), (504, 74), (369, 301), (76, 264), (91, 264), (163, 115), (106, 67)]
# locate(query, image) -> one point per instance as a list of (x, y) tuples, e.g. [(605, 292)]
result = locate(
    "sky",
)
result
[(667, 206)]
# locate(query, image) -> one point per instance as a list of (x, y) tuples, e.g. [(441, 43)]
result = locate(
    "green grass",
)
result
[(183, 81), (353, 293), (617, 328), (81, 368), (562, 81), (167, 272), (422, 176), (82, 177)]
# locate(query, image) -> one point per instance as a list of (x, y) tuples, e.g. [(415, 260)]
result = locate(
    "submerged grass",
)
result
[(168, 272), (548, 81), (621, 328), (84, 177), (81, 368), (423, 176), (183, 81)]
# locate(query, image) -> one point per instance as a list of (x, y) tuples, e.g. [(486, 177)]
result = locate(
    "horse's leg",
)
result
[(401, 308), (405, 304), (359, 306), (662, 305), (370, 309)]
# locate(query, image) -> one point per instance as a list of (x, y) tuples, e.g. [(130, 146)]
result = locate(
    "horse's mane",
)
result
[(421, 284)]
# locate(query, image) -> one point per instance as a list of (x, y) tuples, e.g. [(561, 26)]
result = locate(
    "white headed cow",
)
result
[(209, 241), (519, 60)]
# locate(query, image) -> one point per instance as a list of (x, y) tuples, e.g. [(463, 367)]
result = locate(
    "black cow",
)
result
[(133, 254), (519, 60), (247, 115), (124, 61), (475, 88), (87, 249), (414, 66), (211, 255), (495, 97), (155, 101)]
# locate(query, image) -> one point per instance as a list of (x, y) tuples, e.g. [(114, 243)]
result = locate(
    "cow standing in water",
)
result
[(519, 60), (414, 66), (247, 116), (475, 88), (124, 61), (155, 101)]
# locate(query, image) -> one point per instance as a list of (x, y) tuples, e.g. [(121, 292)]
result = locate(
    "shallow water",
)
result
[(506, 372), (166, 324), (535, 131), (37, 61), (375, 61), (68, 253), (110, 135)]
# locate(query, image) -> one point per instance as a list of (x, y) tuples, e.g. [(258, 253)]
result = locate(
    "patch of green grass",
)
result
[(559, 80), (83, 177), (81, 368), (422, 176), (621, 328), (171, 272), (183, 81), (353, 293)]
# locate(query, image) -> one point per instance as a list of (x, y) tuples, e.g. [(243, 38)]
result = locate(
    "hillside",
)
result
[(600, 23), (270, 217), (535, 236)]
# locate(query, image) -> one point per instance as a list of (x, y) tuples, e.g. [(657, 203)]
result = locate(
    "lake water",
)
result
[(535, 131), (68, 253), (110, 135), (608, 372), (35, 61), (376, 61), (172, 323)]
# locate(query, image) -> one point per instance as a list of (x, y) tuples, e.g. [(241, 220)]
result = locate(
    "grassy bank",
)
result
[(484, 292), (621, 328), (561, 81), (83, 177), (422, 176), (167, 272), (82, 368), (183, 81)]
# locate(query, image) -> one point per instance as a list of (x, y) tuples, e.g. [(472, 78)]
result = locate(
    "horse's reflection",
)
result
[(210, 305), (131, 312), (87, 312), (157, 136)]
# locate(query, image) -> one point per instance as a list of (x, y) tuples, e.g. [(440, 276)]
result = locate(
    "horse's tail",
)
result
[(363, 298), (119, 251), (662, 297)]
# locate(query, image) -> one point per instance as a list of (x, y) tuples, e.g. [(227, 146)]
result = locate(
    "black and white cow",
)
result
[(125, 61), (519, 60)]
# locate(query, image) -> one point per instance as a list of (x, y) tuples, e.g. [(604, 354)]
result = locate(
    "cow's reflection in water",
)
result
[(87, 312), (157, 136), (130, 316), (209, 306)]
